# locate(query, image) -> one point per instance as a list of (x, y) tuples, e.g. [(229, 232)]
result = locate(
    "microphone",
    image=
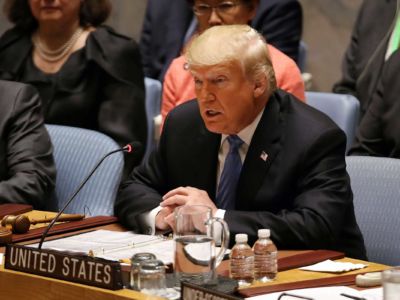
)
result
[(128, 148)]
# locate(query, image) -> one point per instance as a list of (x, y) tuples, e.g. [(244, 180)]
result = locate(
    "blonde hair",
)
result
[(229, 43)]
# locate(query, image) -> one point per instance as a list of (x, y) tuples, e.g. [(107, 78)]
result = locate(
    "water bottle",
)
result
[(265, 257), (242, 261)]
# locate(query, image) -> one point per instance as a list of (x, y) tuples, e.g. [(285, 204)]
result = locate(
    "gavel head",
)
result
[(17, 224)]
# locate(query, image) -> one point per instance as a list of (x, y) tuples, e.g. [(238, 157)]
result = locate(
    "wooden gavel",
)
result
[(21, 223)]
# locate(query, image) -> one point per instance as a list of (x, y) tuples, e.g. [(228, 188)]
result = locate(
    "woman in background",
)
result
[(87, 75), (178, 86)]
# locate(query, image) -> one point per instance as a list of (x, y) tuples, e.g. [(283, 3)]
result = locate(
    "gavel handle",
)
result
[(62, 218)]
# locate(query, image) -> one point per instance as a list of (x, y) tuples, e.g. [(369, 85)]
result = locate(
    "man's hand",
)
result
[(161, 218), (187, 196)]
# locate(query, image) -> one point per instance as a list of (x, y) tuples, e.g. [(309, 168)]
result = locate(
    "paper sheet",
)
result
[(114, 245), (333, 266)]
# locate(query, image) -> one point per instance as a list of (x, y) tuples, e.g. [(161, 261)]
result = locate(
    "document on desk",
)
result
[(114, 245), (325, 293)]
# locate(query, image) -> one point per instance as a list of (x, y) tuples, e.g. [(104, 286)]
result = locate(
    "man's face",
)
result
[(226, 97), (222, 12)]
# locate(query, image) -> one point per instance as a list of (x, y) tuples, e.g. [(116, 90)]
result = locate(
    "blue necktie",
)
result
[(226, 193)]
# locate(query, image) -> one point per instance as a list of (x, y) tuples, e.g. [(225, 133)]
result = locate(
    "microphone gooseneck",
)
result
[(129, 148)]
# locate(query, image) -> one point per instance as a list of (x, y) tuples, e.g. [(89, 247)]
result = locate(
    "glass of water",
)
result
[(152, 276), (196, 255), (391, 284), (135, 267)]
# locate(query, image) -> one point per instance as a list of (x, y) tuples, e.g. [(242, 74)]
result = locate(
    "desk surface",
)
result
[(17, 285)]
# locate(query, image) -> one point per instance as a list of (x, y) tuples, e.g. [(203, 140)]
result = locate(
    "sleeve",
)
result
[(315, 216), (347, 84), (142, 191), (145, 42), (369, 139), (281, 24), (29, 154), (122, 113), (292, 81), (169, 98)]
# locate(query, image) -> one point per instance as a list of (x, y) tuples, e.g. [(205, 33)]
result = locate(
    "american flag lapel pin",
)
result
[(264, 156)]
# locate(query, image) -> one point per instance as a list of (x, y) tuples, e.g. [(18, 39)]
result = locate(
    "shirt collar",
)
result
[(246, 134)]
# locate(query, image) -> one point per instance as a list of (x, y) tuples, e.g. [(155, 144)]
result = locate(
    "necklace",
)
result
[(59, 53)]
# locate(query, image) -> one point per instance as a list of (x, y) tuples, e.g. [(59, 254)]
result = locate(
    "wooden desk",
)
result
[(21, 286), (17, 285)]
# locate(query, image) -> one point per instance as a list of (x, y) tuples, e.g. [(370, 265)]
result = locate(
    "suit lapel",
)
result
[(264, 147), (205, 160)]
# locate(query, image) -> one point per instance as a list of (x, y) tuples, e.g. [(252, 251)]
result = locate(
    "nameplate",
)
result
[(191, 291), (65, 266)]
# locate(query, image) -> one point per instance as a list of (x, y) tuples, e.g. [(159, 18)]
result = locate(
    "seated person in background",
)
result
[(169, 24), (178, 85), (378, 133), (87, 75), (370, 47), (292, 181), (27, 171)]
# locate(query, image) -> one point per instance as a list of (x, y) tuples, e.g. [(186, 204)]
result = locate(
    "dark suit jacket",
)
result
[(378, 134), (166, 22), (364, 58), (27, 171), (301, 192)]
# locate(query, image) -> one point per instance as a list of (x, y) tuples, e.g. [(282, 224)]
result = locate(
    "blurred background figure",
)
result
[(375, 37), (178, 84), (168, 25), (27, 171), (87, 74), (378, 133)]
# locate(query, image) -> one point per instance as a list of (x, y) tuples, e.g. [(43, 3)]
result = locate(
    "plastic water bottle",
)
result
[(265, 257), (242, 261)]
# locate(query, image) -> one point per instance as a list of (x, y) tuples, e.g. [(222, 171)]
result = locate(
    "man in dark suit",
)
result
[(368, 51), (293, 179), (166, 23), (27, 171), (378, 134)]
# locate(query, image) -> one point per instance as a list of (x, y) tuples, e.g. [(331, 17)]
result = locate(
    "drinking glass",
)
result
[(195, 236), (135, 267), (391, 284), (152, 276)]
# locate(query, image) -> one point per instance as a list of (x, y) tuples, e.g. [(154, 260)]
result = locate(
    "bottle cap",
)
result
[(264, 233), (241, 238)]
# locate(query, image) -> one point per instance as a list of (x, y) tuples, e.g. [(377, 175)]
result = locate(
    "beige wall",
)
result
[(327, 29)]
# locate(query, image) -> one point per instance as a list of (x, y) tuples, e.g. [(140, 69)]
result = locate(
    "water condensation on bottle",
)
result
[(265, 257), (242, 261), (265, 266), (242, 269)]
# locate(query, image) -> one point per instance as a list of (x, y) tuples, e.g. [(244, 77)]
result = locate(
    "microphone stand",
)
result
[(128, 148)]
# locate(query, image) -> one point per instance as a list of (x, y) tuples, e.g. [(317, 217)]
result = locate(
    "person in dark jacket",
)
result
[(27, 171), (168, 25), (87, 74), (378, 133), (241, 150), (370, 48)]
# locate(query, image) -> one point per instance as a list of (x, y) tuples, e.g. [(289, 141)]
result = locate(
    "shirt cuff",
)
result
[(220, 213), (148, 220), (218, 229)]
